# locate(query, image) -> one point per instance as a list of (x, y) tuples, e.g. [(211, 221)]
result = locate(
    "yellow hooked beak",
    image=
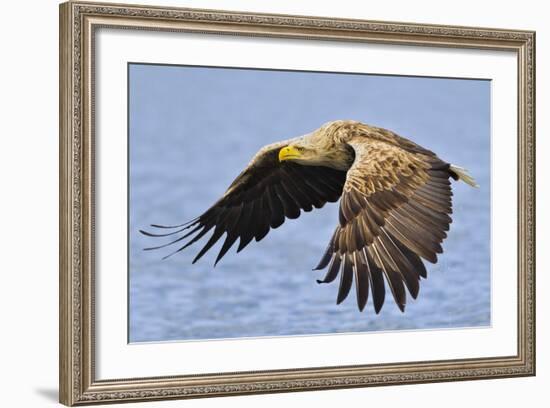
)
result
[(289, 152)]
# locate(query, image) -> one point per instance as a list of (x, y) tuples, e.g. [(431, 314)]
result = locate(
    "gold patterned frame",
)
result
[(78, 22)]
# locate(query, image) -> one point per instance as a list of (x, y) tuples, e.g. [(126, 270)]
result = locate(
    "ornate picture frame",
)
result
[(79, 22)]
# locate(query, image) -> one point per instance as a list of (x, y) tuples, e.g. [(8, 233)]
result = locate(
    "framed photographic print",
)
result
[(256, 203)]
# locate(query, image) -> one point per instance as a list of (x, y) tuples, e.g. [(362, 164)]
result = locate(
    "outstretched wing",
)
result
[(259, 199), (394, 210)]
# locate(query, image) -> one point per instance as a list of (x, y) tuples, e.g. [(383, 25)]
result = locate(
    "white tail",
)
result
[(463, 175)]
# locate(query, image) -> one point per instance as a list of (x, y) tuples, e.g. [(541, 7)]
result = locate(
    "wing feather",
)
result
[(346, 279), (333, 269), (247, 230), (361, 280)]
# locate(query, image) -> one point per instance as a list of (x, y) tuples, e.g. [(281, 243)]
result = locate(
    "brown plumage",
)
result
[(395, 201)]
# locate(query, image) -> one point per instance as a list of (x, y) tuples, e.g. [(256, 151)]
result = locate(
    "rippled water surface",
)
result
[(192, 130)]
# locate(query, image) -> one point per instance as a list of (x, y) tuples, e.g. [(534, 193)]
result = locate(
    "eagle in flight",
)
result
[(395, 206)]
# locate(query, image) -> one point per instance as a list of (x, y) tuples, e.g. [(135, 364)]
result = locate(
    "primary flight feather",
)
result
[(395, 202)]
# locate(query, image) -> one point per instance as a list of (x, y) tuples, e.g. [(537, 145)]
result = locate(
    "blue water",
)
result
[(192, 130)]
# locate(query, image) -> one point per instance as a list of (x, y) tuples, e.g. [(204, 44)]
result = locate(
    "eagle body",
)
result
[(395, 206)]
